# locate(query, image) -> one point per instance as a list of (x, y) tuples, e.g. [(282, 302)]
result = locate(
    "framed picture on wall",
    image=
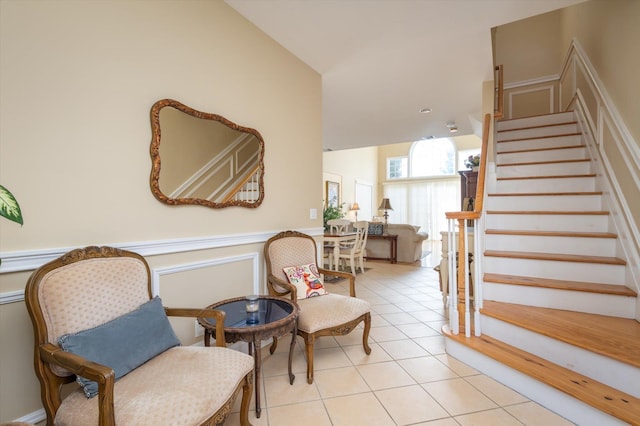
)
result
[(332, 195)]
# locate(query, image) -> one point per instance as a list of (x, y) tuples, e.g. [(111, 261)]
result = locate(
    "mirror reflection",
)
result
[(204, 159)]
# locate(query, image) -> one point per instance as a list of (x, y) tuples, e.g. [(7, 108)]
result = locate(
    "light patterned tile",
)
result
[(400, 318), (307, 414), (458, 397), (357, 410), (385, 309), (402, 349), (385, 375), (460, 368), (499, 393), (340, 382), (489, 418), (278, 391), (433, 344), (531, 413), (417, 330), (277, 364), (384, 334), (427, 369), (358, 356), (410, 404), (327, 358)]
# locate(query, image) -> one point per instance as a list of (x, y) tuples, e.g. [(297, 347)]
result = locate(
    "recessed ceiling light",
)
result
[(425, 110), (452, 127)]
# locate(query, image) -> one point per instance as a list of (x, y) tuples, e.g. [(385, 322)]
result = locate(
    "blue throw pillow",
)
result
[(124, 343)]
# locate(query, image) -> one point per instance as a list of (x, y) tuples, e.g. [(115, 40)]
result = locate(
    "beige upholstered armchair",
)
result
[(321, 315), (96, 323)]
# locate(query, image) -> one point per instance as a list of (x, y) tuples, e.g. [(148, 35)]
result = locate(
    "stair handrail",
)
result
[(498, 111), (234, 191), (460, 296)]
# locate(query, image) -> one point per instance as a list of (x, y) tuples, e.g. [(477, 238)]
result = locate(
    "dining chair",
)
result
[(336, 226), (339, 225), (327, 314), (355, 251)]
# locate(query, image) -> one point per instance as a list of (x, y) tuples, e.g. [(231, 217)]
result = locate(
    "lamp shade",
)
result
[(385, 205), (355, 206)]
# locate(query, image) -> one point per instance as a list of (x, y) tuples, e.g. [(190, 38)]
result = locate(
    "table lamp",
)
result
[(385, 205), (355, 207)]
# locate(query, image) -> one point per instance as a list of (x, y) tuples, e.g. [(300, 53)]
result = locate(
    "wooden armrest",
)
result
[(290, 288), (80, 366), (347, 275), (219, 316)]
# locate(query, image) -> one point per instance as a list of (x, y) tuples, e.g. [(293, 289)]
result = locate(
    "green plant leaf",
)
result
[(9, 206)]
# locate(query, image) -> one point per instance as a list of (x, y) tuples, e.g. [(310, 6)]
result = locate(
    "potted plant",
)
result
[(9, 207), (473, 162), (331, 212)]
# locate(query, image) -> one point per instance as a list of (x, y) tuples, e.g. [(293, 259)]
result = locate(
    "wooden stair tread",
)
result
[(553, 148), (540, 126), (556, 257), (579, 160), (551, 233), (559, 135), (549, 212), (598, 395), (616, 338), (542, 194), (591, 175), (612, 289)]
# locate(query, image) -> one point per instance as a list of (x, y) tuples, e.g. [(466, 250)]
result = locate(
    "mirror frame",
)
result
[(156, 162)]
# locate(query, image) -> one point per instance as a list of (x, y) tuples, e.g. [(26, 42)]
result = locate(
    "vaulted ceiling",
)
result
[(382, 61)]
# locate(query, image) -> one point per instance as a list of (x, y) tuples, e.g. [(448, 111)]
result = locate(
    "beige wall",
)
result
[(609, 32), (529, 48), (78, 80), (351, 165)]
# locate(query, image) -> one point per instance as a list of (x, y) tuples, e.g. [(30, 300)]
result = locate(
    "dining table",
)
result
[(338, 239)]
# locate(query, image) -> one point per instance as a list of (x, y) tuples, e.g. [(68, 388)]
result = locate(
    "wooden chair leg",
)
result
[(365, 333), (247, 392), (308, 344)]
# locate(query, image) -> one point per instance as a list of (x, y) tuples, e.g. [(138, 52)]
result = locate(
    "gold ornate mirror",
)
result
[(206, 159)]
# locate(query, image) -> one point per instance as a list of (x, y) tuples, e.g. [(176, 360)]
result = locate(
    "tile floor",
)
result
[(407, 380)]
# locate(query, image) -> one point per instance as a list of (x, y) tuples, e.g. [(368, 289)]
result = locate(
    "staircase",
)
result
[(558, 314)]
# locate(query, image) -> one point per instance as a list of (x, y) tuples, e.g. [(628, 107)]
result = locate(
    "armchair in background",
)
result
[(409, 243)]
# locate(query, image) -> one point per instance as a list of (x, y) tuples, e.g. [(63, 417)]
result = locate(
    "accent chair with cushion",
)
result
[(96, 323), (291, 258)]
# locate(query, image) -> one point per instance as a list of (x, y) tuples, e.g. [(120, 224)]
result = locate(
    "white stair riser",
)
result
[(575, 184), (559, 402), (602, 369), (539, 143), (541, 120), (549, 169), (527, 222), (540, 244), (547, 203), (560, 270), (578, 153), (537, 132), (576, 301)]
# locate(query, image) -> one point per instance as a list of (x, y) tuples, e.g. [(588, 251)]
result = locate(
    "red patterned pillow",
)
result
[(307, 280)]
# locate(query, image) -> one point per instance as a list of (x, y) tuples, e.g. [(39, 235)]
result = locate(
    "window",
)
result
[(397, 168), (432, 157)]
